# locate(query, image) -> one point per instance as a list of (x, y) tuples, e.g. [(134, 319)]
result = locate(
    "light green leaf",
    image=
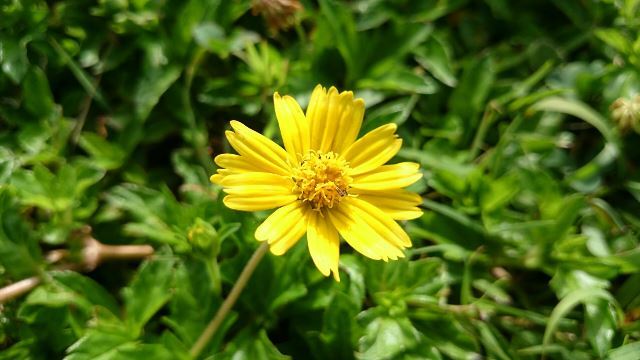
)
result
[(584, 296), (37, 93), (148, 292), (435, 58)]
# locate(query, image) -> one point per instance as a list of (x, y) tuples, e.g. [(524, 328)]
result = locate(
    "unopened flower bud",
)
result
[(279, 14), (626, 113)]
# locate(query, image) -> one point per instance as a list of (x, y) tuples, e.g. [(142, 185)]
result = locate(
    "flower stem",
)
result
[(228, 303), (17, 289), (93, 254), (487, 120)]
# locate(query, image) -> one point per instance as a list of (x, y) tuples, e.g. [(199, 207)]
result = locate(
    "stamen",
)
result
[(321, 179)]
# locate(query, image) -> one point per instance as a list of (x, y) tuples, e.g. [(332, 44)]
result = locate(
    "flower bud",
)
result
[(626, 113)]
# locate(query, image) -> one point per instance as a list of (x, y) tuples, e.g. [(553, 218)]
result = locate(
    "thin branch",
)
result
[(18, 289), (228, 303), (93, 254)]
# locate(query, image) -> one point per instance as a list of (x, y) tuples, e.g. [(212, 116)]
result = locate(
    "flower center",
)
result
[(321, 179)]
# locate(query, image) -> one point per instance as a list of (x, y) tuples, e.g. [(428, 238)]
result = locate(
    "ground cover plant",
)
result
[(523, 115)]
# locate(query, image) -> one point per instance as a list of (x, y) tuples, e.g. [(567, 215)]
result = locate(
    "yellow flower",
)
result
[(325, 184)]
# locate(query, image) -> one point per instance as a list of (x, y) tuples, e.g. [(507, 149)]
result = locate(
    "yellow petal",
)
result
[(256, 184), (257, 149), (349, 124), (365, 234), (324, 244), (219, 175), (257, 178), (216, 178), (397, 203), (334, 119), (380, 222), (294, 126), (345, 226), (373, 150), (235, 163), (317, 115), (386, 177), (284, 227), (255, 203)]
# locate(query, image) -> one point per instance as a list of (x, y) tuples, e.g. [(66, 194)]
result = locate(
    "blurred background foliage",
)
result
[(111, 110)]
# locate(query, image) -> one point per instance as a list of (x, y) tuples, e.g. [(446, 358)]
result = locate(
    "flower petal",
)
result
[(367, 231), (349, 124), (334, 119), (253, 203), (216, 178), (294, 126), (252, 191), (220, 174), (380, 222), (256, 184), (235, 163), (397, 203), (386, 177), (258, 149), (373, 150), (324, 244), (284, 227)]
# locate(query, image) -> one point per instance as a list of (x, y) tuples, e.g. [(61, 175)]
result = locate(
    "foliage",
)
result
[(110, 112)]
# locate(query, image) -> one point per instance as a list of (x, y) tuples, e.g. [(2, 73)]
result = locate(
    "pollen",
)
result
[(321, 179)]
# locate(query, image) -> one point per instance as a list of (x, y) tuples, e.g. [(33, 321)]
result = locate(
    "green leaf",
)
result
[(13, 56), (97, 344), (339, 327), (601, 324), (251, 344), (434, 57), (83, 78), (153, 83), (576, 11), (629, 351), (157, 215), (68, 290), (587, 178), (211, 37), (135, 350), (580, 110), (468, 98), (148, 293), (37, 94), (56, 192), (498, 192), (268, 295), (387, 338), (8, 163), (401, 80), (585, 296), (19, 251), (20, 350), (82, 286), (395, 111), (107, 155), (614, 38), (494, 343), (403, 279), (343, 32), (195, 279)]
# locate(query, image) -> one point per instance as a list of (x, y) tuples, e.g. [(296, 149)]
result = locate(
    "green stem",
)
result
[(487, 120), (198, 139), (228, 303)]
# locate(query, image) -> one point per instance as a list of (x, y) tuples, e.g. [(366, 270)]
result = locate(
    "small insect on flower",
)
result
[(324, 183)]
